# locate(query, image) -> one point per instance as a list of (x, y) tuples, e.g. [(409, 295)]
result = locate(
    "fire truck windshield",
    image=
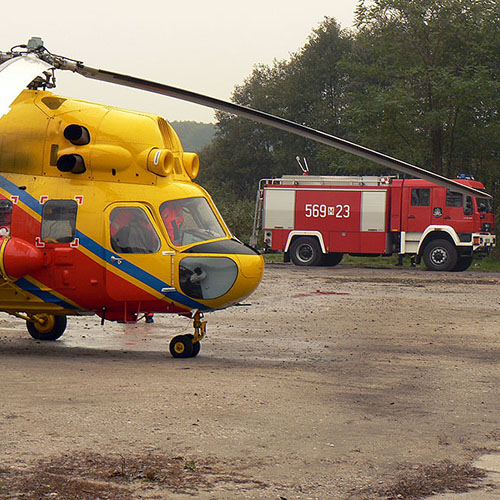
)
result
[(190, 220), (484, 205)]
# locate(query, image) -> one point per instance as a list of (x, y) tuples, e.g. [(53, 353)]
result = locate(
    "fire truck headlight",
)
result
[(268, 238)]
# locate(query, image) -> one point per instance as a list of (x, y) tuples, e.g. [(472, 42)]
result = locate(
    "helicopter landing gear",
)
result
[(46, 326), (188, 346)]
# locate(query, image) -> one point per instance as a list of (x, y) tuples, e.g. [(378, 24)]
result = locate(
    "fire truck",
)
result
[(315, 220)]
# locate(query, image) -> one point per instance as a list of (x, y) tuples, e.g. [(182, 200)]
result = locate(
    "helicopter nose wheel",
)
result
[(188, 346)]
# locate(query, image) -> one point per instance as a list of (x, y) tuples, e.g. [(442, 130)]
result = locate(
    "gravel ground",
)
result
[(329, 383)]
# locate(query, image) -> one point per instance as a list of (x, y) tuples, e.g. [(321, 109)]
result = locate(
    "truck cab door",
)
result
[(458, 212), (417, 208)]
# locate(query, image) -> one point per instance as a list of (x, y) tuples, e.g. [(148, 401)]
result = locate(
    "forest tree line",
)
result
[(418, 80)]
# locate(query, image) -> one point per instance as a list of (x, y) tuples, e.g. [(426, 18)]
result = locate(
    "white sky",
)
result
[(207, 46)]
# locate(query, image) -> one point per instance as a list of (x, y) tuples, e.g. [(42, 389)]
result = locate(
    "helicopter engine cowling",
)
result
[(18, 258), (77, 135), (71, 163)]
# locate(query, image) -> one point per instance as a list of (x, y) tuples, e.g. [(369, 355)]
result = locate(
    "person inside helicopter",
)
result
[(190, 220), (173, 218), (132, 232)]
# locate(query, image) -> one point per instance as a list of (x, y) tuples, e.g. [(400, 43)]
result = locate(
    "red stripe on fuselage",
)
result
[(81, 279)]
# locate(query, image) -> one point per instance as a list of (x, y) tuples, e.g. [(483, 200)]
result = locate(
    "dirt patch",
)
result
[(319, 389), (89, 476), (414, 482)]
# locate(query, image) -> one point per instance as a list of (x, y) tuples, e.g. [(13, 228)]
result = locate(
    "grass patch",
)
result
[(485, 264), (91, 476), (273, 257), (416, 482)]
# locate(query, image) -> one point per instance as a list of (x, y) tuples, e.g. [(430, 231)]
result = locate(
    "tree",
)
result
[(416, 80), (307, 89), (424, 82)]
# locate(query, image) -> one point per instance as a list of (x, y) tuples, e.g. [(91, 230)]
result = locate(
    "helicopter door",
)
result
[(58, 239), (138, 259)]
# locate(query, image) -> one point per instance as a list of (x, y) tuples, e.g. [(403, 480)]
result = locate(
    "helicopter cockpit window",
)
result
[(5, 217), (190, 220), (132, 232), (59, 221)]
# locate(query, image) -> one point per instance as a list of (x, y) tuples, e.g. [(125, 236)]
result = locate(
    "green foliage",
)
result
[(236, 211), (424, 82), (417, 80), (307, 89), (485, 264), (194, 135)]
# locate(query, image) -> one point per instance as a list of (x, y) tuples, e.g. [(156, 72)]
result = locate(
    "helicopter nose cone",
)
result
[(250, 273), (224, 274)]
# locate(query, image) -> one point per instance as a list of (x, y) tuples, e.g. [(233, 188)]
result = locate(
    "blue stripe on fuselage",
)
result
[(45, 295), (99, 251)]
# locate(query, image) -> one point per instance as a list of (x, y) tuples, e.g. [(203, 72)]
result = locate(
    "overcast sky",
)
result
[(207, 46)]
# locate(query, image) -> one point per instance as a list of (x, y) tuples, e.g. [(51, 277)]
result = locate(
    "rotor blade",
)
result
[(15, 75), (276, 122)]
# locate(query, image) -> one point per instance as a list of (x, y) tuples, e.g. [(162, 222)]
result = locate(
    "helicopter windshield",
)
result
[(190, 220)]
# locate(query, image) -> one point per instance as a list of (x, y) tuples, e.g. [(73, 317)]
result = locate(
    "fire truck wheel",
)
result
[(440, 255), (50, 328), (181, 346), (305, 251), (463, 263), (332, 259)]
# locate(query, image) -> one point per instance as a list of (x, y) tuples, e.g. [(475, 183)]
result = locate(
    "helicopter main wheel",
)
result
[(181, 346), (48, 327)]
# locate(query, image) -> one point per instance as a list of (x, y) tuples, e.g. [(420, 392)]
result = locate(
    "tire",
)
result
[(440, 255), (196, 346), (463, 263), (305, 251), (181, 346), (52, 329), (332, 259)]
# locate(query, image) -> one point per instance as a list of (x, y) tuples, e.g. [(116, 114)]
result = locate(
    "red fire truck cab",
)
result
[(315, 220)]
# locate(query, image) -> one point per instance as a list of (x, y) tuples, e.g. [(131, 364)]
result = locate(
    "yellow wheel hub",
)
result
[(179, 347), (44, 323)]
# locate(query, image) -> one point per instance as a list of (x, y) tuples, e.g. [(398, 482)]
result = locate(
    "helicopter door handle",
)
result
[(116, 259)]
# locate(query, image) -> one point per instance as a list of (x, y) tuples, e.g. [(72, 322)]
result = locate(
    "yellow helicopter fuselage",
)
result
[(99, 213)]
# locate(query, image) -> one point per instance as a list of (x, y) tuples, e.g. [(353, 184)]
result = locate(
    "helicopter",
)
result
[(99, 214)]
